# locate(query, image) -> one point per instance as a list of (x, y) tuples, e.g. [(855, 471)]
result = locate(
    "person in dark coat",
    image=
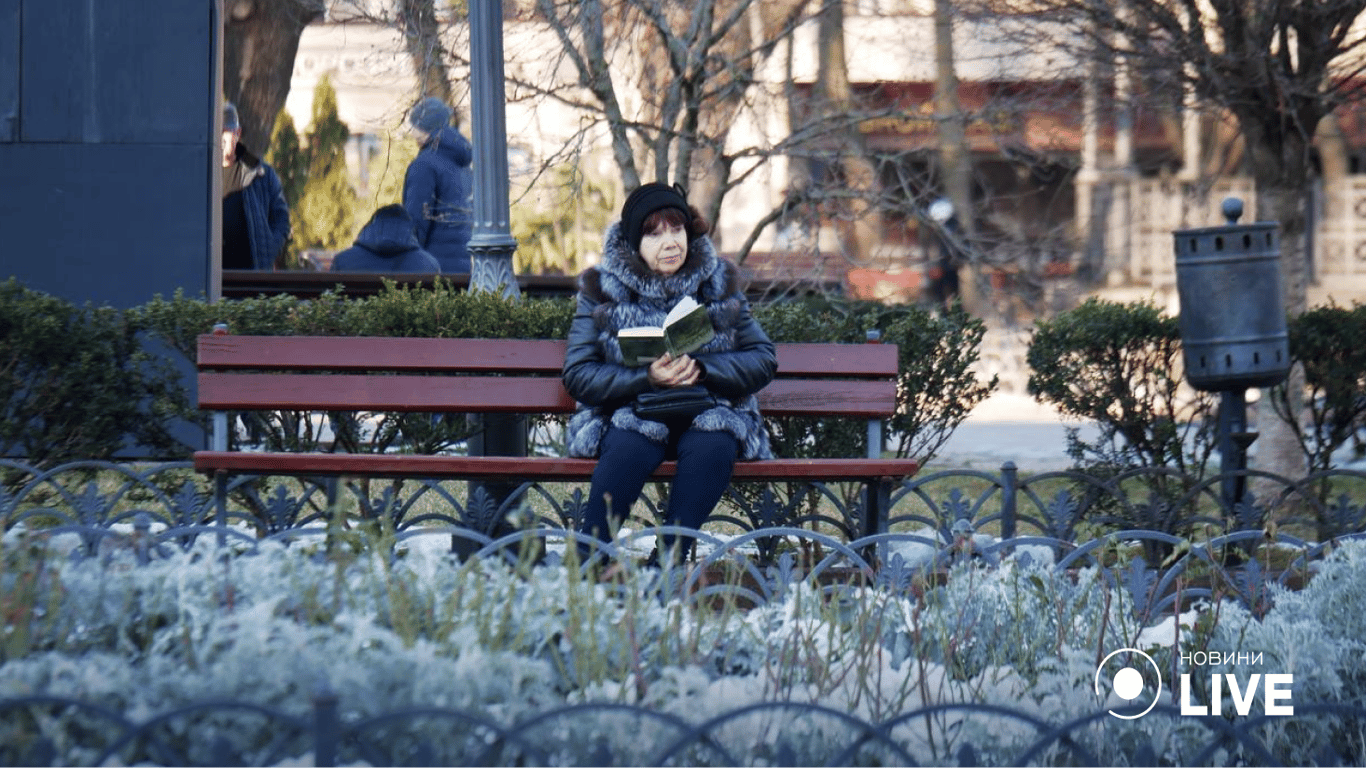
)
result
[(656, 254), (255, 214), (438, 185), (386, 244)]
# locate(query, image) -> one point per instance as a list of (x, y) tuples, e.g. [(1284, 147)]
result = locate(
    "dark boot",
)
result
[(677, 555)]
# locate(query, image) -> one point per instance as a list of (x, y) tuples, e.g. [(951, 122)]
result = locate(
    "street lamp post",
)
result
[(491, 242)]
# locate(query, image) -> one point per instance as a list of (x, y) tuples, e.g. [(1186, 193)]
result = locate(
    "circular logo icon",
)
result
[(1127, 682)]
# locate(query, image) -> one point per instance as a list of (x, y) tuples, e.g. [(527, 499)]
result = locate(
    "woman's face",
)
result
[(664, 248)]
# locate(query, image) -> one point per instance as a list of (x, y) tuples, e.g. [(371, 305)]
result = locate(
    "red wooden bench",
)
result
[(341, 373)]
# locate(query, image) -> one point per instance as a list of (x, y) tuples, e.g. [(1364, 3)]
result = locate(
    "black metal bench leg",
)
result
[(876, 500), (220, 501)]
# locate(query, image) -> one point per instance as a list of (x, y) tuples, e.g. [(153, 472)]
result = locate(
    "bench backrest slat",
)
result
[(505, 394), (369, 353), (359, 353), (343, 373)]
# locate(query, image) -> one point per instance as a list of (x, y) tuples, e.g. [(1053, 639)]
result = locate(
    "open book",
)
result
[(686, 328)]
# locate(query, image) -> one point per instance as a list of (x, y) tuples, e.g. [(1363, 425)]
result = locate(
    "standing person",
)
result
[(255, 214), (438, 186), (386, 244), (656, 254), (944, 287)]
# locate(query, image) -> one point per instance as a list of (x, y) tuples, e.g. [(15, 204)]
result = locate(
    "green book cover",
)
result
[(686, 328)]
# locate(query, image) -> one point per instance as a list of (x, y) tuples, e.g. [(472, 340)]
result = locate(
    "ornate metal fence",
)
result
[(1008, 503), (445, 736), (1158, 522), (1067, 506)]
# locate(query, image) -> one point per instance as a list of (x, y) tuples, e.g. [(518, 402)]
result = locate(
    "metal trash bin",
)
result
[(1233, 327)]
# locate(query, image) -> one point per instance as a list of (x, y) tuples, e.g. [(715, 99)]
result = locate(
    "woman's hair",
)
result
[(672, 217)]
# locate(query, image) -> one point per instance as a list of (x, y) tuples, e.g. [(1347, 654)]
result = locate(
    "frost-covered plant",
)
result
[(1020, 617), (387, 626), (1318, 634)]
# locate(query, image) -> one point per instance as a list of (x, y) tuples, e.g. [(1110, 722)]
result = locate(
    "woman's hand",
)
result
[(674, 372)]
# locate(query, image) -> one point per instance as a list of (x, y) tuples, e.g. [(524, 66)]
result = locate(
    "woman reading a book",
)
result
[(705, 367)]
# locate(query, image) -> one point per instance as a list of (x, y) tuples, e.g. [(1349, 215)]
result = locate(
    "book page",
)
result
[(690, 330), (681, 309)]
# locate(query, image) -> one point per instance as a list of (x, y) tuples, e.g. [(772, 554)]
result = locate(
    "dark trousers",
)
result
[(705, 463)]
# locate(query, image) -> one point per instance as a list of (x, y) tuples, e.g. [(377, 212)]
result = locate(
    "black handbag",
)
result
[(674, 403)]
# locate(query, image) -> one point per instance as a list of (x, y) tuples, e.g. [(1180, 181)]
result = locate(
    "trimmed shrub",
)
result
[(78, 382), (1330, 344), (1119, 365), (936, 385)]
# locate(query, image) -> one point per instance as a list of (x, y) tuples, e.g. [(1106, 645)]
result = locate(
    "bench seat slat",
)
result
[(361, 353), (525, 468), (503, 394)]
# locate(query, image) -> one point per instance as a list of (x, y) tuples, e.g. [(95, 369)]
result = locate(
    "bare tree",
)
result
[(422, 39), (668, 82), (260, 41), (1277, 67), (858, 218), (663, 85), (954, 159)]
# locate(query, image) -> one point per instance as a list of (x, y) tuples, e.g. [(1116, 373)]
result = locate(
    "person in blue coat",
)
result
[(255, 214), (386, 244), (438, 186)]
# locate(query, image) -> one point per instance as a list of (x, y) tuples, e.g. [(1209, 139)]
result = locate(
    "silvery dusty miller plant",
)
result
[(387, 629)]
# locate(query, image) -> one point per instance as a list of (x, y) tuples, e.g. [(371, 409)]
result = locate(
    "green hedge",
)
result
[(132, 396), (1120, 365), (1330, 344), (78, 383), (936, 386)]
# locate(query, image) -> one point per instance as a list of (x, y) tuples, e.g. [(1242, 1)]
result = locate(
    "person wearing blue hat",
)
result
[(438, 186)]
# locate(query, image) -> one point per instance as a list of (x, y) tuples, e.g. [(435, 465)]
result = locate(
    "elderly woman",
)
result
[(657, 254)]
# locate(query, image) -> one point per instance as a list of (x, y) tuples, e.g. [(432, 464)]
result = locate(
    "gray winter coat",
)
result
[(622, 292)]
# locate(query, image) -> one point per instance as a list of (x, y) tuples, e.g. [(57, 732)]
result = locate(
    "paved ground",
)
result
[(1015, 428), (1010, 428)]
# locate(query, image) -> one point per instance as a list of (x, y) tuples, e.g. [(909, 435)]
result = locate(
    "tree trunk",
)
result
[(1282, 178), (860, 223), (260, 41), (422, 39)]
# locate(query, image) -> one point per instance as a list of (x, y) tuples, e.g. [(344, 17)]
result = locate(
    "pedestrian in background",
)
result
[(386, 244), (255, 214), (438, 185)]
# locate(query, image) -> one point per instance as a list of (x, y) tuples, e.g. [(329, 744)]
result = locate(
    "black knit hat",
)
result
[(647, 199)]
